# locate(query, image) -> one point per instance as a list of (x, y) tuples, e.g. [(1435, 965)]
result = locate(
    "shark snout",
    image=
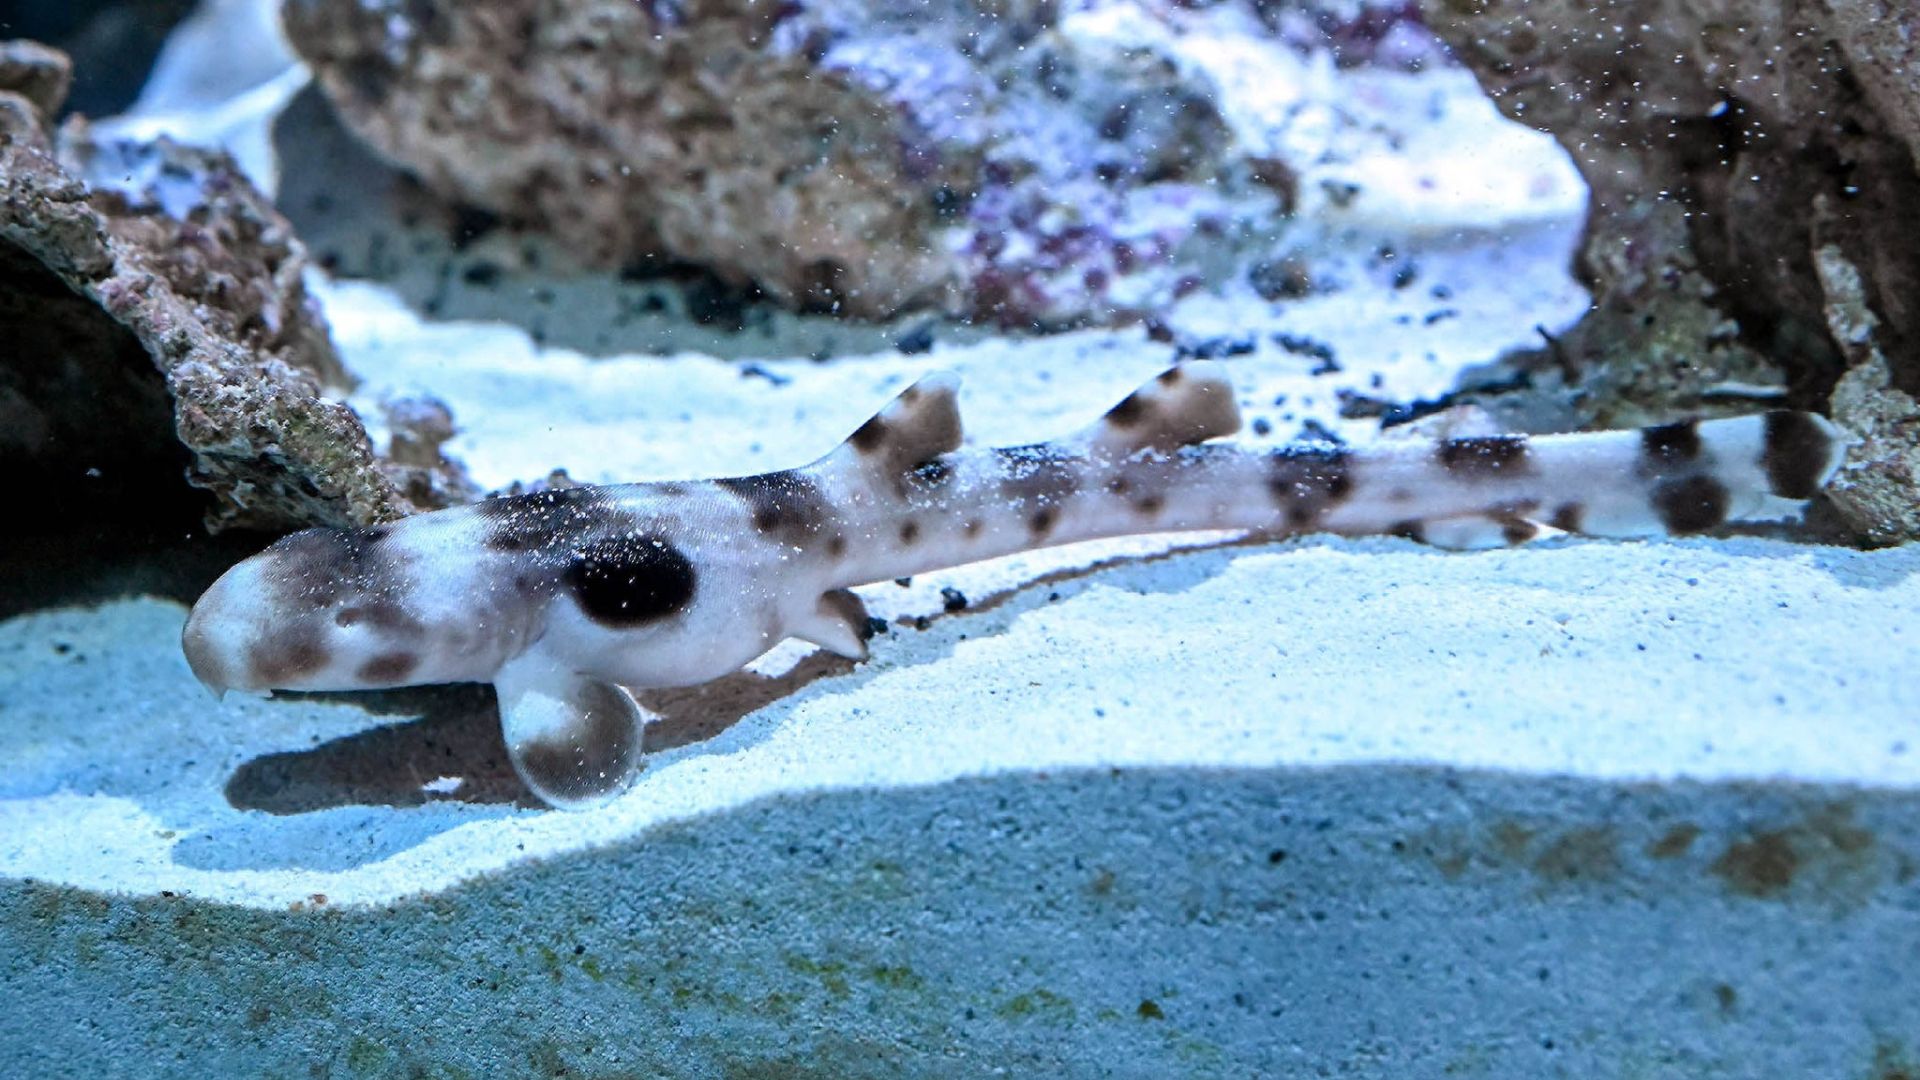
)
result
[(210, 652)]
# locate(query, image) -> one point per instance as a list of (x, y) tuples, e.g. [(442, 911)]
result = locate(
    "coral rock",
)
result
[(37, 73), (152, 300), (1727, 145), (1010, 161)]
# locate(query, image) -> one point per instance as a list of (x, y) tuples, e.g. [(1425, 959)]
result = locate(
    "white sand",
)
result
[(1701, 659)]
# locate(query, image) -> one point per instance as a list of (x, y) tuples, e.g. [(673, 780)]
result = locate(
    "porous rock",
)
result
[(157, 323), (1731, 148), (1018, 161), (1877, 490), (37, 73)]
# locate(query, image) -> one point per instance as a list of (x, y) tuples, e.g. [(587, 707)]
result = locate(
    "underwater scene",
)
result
[(851, 539)]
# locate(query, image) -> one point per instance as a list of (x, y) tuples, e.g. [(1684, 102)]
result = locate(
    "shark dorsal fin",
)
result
[(916, 427), (1183, 405)]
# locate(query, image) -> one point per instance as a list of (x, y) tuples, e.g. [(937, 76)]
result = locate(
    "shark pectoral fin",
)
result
[(574, 740), (838, 624)]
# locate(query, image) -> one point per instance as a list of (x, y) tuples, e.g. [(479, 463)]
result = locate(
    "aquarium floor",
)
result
[(1613, 809)]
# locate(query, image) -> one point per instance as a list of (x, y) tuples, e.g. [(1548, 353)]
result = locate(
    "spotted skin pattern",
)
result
[(562, 598)]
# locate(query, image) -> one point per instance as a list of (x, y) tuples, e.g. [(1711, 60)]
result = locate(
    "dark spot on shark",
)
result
[(1690, 505), (787, 506), (1130, 411), (319, 567), (632, 580), (388, 668), (1037, 473), (287, 654), (1307, 481), (932, 472), (870, 436), (1665, 446), (1484, 455), (380, 611), (543, 520), (1517, 530), (1797, 453)]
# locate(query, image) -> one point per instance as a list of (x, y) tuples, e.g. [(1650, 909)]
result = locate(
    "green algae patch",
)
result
[(366, 1057), (831, 974), (1038, 1004), (896, 978)]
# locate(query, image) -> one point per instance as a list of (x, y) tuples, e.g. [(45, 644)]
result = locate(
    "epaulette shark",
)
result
[(562, 598)]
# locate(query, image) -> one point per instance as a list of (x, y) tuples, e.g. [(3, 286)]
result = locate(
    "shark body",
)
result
[(562, 598)]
